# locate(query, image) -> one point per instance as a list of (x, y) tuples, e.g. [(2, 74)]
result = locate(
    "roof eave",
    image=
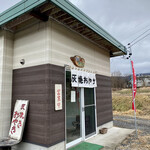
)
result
[(75, 12), (26, 6), (19, 9)]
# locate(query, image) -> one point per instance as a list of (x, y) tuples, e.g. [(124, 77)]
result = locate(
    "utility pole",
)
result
[(133, 77)]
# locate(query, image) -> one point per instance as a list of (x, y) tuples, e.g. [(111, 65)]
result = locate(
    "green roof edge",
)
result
[(26, 5), (19, 9)]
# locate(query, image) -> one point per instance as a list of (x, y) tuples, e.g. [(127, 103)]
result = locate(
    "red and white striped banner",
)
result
[(134, 86)]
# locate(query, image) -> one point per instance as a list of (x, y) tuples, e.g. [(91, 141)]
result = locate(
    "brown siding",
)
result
[(56, 119), (44, 125), (103, 100)]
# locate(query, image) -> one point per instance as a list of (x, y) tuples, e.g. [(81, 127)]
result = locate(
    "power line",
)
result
[(140, 30), (139, 36), (139, 40), (130, 45)]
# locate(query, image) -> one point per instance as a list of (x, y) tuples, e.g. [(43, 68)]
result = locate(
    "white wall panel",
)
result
[(53, 43), (30, 44), (1, 74), (6, 63), (66, 44)]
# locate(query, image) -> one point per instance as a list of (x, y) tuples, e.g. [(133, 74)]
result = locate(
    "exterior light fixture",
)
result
[(22, 61)]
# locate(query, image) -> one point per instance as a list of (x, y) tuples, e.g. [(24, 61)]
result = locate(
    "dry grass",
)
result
[(132, 143), (122, 100)]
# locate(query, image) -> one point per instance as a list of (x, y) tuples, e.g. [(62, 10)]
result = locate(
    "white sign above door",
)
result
[(83, 79)]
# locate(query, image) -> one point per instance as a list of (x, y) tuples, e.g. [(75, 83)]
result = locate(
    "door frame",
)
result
[(82, 115), (85, 137), (70, 144)]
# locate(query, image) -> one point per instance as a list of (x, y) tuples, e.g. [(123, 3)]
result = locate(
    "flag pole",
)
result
[(135, 119), (133, 98)]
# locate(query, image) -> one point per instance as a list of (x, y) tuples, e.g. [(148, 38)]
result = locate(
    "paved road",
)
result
[(128, 122)]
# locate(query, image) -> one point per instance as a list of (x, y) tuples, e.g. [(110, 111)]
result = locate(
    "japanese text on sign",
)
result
[(83, 79), (58, 97), (18, 119)]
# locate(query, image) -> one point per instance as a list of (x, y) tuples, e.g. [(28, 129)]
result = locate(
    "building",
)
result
[(143, 80), (37, 39)]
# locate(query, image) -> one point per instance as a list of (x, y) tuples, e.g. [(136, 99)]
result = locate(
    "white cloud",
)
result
[(125, 20)]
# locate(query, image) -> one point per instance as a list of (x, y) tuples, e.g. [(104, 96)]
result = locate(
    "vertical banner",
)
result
[(134, 93), (58, 96), (134, 86), (74, 78)]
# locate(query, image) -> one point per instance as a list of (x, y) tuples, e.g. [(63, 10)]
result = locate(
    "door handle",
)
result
[(83, 109)]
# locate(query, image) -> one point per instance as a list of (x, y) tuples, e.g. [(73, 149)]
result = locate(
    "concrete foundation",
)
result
[(28, 146), (112, 138)]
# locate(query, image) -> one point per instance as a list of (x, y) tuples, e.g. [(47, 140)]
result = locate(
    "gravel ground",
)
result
[(142, 142), (128, 122), (133, 143)]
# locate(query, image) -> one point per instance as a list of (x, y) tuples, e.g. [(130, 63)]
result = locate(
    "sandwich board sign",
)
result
[(18, 119)]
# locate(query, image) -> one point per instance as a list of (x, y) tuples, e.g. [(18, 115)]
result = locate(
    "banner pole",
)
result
[(135, 119), (133, 98)]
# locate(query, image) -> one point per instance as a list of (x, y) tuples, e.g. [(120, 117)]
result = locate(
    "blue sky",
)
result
[(123, 19)]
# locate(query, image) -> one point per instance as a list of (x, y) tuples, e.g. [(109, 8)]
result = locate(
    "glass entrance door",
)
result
[(89, 104), (80, 113), (73, 112)]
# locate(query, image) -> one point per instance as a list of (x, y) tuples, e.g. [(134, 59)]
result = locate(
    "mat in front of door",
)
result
[(86, 146)]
